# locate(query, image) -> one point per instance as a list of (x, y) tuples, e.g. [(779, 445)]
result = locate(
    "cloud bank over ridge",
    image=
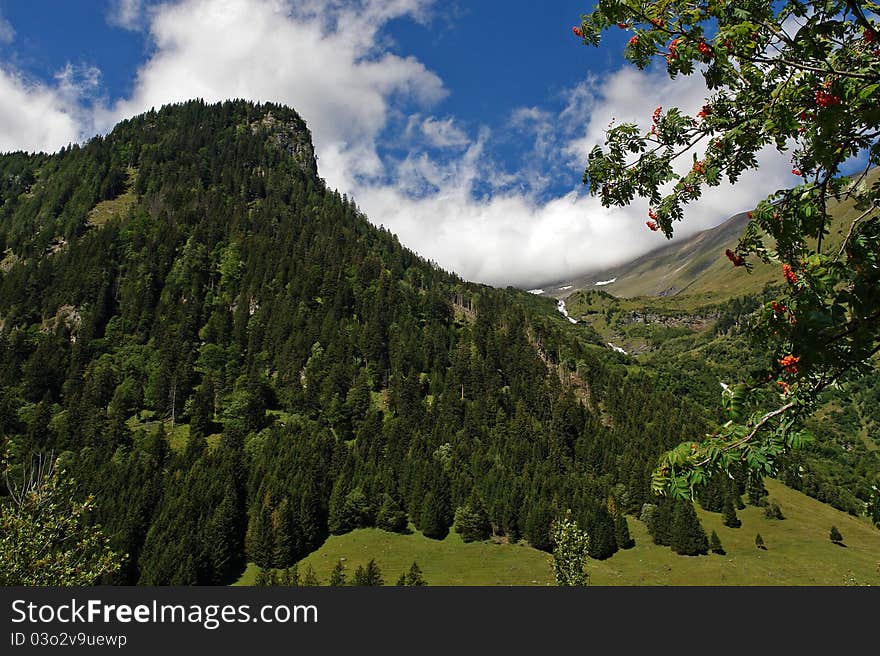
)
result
[(443, 191)]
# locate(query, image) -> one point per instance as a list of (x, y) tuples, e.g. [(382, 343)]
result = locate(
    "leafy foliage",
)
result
[(800, 76), (46, 538), (570, 552)]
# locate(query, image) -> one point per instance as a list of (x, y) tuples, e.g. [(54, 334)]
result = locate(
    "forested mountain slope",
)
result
[(236, 363)]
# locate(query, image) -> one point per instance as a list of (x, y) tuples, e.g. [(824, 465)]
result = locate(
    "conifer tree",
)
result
[(601, 528), (259, 540), (370, 575), (310, 580), (772, 510), (730, 519), (202, 409), (290, 576), (391, 516), (414, 576), (282, 541), (472, 522), (537, 526), (836, 536), (337, 576), (759, 541), (433, 522), (263, 578), (756, 490), (660, 522), (337, 521), (621, 528), (715, 544), (688, 536)]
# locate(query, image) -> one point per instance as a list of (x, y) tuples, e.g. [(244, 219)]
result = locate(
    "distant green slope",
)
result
[(696, 266), (799, 552)]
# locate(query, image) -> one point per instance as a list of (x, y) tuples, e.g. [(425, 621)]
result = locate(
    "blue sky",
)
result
[(462, 126)]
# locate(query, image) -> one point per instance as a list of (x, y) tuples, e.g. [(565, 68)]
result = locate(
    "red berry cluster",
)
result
[(705, 50), (737, 260), (655, 119), (705, 111), (778, 308), (578, 32), (826, 98), (790, 363), (622, 26), (789, 274), (796, 172), (699, 167), (870, 36), (634, 41), (652, 225)]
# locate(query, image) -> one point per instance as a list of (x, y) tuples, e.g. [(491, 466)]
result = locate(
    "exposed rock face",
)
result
[(693, 321), (292, 137)]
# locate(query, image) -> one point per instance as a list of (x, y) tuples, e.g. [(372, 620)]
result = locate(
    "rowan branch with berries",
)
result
[(802, 77)]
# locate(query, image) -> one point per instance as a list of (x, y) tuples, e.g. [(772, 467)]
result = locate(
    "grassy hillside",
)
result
[(696, 266), (799, 552)]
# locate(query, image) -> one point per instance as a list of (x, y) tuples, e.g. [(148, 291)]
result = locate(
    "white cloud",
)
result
[(127, 14), (517, 236), (35, 117), (443, 133), (7, 32)]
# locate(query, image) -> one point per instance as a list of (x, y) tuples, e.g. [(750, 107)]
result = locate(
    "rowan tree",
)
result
[(802, 77)]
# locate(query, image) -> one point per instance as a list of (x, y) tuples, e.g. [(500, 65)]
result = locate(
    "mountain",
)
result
[(236, 363)]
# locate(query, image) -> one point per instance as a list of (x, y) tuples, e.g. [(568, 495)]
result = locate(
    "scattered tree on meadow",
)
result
[(773, 511), (603, 533), (660, 521), (412, 577), (310, 579), (836, 537), (759, 541), (369, 575), (687, 535), (729, 518), (571, 546), (757, 492), (337, 576), (715, 544)]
